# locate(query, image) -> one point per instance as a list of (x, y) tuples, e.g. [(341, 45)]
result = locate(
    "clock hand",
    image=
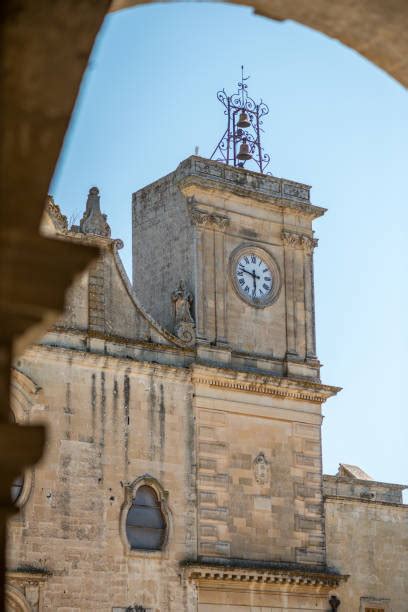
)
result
[(248, 272), (254, 277)]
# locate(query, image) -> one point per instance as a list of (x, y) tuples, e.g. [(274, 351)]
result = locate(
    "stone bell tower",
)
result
[(201, 224), (242, 242), (223, 247)]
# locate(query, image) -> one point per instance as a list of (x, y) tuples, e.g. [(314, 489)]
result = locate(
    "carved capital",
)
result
[(299, 241), (290, 239), (210, 220), (309, 244), (204, 218)]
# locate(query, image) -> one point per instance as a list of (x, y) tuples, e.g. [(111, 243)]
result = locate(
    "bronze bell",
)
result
[(243, 120), (244, 151)]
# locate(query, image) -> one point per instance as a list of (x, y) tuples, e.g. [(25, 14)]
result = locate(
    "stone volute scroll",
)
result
[(261, 469), (184, 326)]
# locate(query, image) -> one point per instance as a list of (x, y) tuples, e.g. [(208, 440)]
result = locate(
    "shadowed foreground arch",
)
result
[(44, 52)]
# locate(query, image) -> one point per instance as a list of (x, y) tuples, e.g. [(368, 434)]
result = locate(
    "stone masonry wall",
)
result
[(259, 471), (162, 247), (369, 541), (109, 422)]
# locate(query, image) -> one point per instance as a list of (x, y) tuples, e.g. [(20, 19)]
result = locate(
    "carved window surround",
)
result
[(130, 489), (24, 590)]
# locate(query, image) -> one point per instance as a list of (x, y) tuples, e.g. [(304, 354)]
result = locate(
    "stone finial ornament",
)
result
[(184, 327), (93, 221)]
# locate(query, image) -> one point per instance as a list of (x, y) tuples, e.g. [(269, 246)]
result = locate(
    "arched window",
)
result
[(145, 523), (16, 489)]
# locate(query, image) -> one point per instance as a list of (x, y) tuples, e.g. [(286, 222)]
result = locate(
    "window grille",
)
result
[(145, 524)]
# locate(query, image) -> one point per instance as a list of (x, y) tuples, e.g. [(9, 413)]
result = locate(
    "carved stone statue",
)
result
[(183, 321)]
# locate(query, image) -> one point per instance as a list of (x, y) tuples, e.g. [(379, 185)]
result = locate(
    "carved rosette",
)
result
[(299, 241)]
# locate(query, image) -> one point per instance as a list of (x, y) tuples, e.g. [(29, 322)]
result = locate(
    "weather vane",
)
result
[(241, 141)]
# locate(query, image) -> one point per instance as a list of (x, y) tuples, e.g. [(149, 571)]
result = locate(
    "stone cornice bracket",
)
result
[(204, 218), (299, 241)]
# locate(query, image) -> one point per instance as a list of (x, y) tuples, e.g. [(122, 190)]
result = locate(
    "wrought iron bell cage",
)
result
[(241, 141)]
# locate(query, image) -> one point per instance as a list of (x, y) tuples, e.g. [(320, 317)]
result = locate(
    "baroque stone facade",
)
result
[(222, 429), (45, 53)]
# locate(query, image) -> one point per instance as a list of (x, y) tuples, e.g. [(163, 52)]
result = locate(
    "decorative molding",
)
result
[(299, 241), (267, 575), (269, 185), (130, 489), (167, 335), (271, 385), (204, 218), (23, 589), (259, 388)]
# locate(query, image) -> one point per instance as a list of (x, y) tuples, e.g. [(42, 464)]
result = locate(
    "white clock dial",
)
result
[(254, 278)]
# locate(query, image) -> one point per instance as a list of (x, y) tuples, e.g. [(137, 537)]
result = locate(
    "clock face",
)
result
[(255, 275)]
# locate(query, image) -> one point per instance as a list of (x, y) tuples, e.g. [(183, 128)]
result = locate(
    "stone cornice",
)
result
[(235, 380), (365, 483), (269, 575), (361, 500), (28, 576), (119, 340), (273, 191), (288, 388), (100, 360)]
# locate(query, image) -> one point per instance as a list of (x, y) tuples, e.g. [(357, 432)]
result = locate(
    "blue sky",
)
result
[(336, 122)]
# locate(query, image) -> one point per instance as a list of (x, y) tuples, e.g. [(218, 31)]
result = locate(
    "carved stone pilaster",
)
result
[(299, 293)]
